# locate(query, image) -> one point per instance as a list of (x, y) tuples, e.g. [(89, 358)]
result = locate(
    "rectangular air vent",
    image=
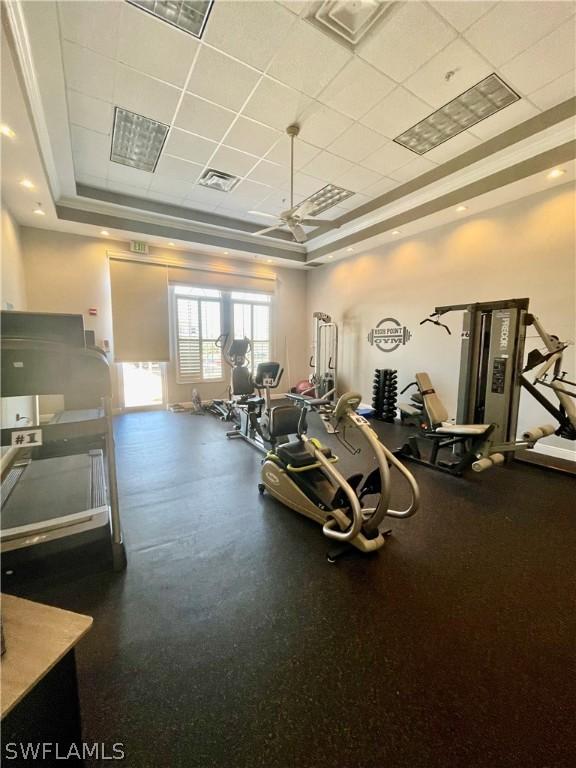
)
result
[(137, 141), (326, 198), (346, 21), (188, 15), (477, 103), (223, 182)]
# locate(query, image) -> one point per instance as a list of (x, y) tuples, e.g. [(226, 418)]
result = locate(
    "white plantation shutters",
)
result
[(198, 326), (251, 319)]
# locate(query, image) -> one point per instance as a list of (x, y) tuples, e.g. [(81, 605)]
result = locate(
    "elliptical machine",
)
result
[(302, 475), (241, 385), (262, 425)]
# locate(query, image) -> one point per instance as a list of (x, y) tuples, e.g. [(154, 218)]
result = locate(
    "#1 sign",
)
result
[(389, 334), (26, 438)]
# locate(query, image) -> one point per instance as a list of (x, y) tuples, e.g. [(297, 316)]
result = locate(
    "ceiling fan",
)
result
[(297, 215)]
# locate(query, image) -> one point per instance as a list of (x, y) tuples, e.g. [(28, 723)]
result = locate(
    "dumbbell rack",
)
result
[(384, 394)]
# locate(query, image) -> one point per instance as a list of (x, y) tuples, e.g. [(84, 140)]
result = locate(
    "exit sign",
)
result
[(137, 246)]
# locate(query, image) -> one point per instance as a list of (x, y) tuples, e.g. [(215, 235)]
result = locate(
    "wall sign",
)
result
[(389, 334), (26, 438)]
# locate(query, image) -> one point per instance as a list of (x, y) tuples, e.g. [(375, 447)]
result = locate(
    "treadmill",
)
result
[(60, 491)]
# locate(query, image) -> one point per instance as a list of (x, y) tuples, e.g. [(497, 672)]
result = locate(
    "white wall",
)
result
[(70, 273), (523, 249), (13, 296)]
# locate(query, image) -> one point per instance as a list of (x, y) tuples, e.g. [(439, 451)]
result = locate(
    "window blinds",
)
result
[(140, 314)]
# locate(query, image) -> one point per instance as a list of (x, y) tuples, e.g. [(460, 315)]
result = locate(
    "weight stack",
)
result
[(384, 394)]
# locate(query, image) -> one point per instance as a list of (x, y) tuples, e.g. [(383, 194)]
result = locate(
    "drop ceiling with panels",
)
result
[(259, 66)]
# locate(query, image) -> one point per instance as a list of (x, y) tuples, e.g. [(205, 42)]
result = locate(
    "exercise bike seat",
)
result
[(294, 454)]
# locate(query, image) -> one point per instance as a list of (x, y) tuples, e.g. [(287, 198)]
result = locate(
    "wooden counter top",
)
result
[(37, 636)]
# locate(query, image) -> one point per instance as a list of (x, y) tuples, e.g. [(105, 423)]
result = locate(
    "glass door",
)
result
[(143, 385)]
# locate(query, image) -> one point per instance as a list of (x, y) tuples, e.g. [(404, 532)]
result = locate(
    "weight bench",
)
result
[(466, 440)]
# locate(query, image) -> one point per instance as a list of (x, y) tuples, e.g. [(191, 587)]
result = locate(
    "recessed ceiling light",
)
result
[(325, 198), (331, 256), (188, 15), (137, 141), (27, 184), (218, 180), (225, 253), (556, 173), (104, 232), (461, 208), (268, 261), (477, 103), (38, 211), (5, 130), (349, 250), (171, 245), (395, 231)]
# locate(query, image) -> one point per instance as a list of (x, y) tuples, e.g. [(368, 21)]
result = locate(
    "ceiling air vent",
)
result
[(223, 182), (188, 15), (348, 21), (477, 103), (326, 198), (137, 141)]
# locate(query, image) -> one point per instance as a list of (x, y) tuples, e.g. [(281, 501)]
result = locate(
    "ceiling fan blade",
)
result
[(305, 208), (317, 222), (268, 229), (297, 231), (266, 215)]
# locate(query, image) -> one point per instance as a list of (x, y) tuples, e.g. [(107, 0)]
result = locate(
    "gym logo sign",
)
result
[(389, 334)]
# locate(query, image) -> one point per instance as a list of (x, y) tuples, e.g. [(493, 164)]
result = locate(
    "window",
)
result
[(198, 326), (251, 319)]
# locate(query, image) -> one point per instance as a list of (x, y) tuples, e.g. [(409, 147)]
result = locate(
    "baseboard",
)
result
[(568, 454)]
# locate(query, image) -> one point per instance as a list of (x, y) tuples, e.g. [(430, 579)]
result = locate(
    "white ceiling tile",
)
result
[(409, 37), (276, 202), (303, 152), (89, 113), (276, 105), (232, 161), (380, 188), (507, 118), (250, 31), (247, 194), (430, 83), (462, 14), (272, 174), (398, 111), (321, 125), (189, 146), (145, 95), (221, 79), (296, 6), (164, 197), (91, 24), (90, 150), (203, 118), (308, 59), (151, 46), (556, 92), (511, 27), (169, 186), (175, 168), (547, 60), (357, 143), (204, 197), (455, 146), (411, 170), (251, 137), (88, 72), (357, 179), (327, 166), (388, 158), (90, 180), (304, 184), (356, 89), (126, 189), (126, 175)]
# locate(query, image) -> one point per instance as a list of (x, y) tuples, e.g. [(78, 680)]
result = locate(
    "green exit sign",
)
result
[(137, 246)]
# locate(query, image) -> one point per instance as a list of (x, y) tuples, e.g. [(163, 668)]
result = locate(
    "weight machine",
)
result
[(324, 361), (492, 376)]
